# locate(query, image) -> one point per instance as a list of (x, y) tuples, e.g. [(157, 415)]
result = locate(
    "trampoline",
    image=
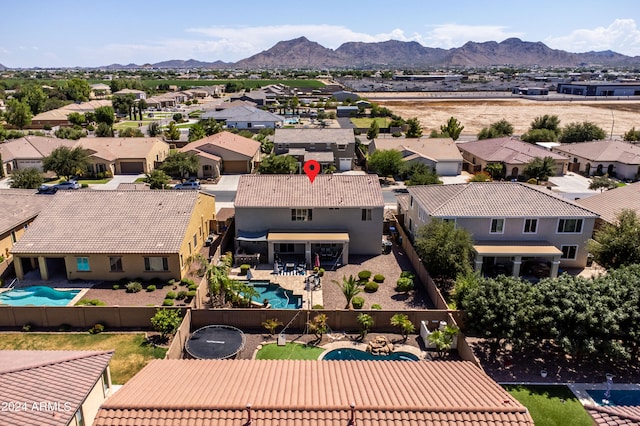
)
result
[(215, 342)]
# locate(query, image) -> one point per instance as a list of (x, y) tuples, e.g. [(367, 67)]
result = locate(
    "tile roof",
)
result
[(288, 392), (615, 416), (120, 148), (48, 376), (491, 199), (63, 112), (337, 136), (31, 147), (507, 150), (226, 141), (19, 206), (609, 203), (623, 152), (437, 149), (298, 191), (243, 113), (86, 221)]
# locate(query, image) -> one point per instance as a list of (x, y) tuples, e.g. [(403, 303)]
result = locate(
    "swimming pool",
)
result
[(37, 296), (351, 354), (617, 397), (278, 297)]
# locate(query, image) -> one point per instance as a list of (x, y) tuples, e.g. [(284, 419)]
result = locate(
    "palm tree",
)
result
[(442, 339), (494, 169), (318, 325), (540, 168), (404, 324), (349, 288), (366, 322)]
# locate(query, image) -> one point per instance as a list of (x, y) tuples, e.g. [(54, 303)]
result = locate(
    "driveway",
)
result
[(572, 186), (115, 181)]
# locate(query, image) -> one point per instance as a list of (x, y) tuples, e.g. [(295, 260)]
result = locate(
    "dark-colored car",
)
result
[(209, 240), (47, 189)]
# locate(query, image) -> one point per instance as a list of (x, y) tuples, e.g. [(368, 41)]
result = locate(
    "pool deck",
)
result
[(580, 390), (72, 302), (295, 283)]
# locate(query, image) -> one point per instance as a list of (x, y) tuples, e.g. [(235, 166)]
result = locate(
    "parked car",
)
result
[(69, 184), (47, 189), (187, 185)]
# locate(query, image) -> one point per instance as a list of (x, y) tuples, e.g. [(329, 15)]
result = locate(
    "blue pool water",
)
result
[(278, 297), (351, 354), (617, 397), (37, 296)]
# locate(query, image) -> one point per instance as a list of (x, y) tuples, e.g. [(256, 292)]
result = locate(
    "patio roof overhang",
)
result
[(314, 237), (516, 248)]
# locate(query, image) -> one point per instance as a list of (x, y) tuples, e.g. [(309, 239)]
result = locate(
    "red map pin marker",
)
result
[(312, 168)]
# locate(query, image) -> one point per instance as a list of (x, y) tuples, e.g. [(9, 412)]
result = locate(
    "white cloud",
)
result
[(447, 36), (622, 36)]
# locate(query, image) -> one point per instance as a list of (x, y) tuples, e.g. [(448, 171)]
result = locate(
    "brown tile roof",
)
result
[(298, 191), (86, 221), (615, 416), (287, 392), (19, 206), (338, 136), (226, 141), (225, 213), (133, 186), (403, 201), (507, 150), (609, 203), (623, 152), (48, 376), (491, 199), (115, 148), (63, 112), (31, 147), (437, 149)]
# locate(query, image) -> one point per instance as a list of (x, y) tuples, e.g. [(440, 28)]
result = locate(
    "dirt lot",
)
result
[(478, 113)]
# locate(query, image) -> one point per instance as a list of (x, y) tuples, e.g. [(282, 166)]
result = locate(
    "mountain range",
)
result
[(302, 53)]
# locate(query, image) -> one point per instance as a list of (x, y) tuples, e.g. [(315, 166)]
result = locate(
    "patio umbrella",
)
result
[(317, 261)]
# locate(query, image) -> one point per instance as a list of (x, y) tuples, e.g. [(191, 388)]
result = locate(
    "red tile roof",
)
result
[(615, 416), (29, 377), (286, 392), (226, 141)]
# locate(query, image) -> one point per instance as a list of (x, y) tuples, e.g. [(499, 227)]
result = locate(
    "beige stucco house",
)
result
[(64, 388), (28, 152), (616, 158), (441, 154), (327, 146), (289, 217), (513, 225), (113, 235), (224, 152), (124, 155)]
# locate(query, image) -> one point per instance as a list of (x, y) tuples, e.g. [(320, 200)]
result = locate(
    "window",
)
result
[(156, 264), (13, 237), (366, 214), (570, 226), (115, 264), (411, 201), (342, 147), (301, 215), (530, 226), (569, 252), (286, 248), (497, 226), (105, 383), (80, 417), (195, 240), (82, 263)]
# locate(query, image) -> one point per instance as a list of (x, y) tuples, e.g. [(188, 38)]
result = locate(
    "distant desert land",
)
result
[(474, 114)]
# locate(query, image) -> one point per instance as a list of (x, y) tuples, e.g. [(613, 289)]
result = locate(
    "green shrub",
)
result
[(357, 302), (379, 278), (116, 286), (134, 287), (151, 287), (193, 287), (371, 287), (172, 282), (170, 295), (90, 302), (244, 268), (376, 307), (404, 285), (396, 134), (532, 181), (191, 294), (318, 307), (186, 282), (84, 185), (364, 275), (27, 327), (167, 302), (182, 294), (407, 274), (98, 328)]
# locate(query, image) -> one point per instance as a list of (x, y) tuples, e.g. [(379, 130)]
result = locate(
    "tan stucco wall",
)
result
[(199, 225), (215, 165), (5, 239), (92, 404)]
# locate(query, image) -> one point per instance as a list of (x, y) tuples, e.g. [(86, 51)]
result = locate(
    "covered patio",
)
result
[(508, 257), (300, 243)]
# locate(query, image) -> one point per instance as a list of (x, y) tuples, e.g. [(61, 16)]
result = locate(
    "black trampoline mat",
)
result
[(215, 342)]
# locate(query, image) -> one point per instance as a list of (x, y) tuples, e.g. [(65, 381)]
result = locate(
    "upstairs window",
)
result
[(497, 226), (530, 226), (301, 215), (366, 214), (571, 226)]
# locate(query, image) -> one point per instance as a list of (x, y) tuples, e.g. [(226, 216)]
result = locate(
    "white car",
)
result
[(70, 184)]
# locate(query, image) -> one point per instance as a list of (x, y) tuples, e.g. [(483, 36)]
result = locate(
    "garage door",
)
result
[(235, 167), (132, 168), (345, 164), (448, 168)]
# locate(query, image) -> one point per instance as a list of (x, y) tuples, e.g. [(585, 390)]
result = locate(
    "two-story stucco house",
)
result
[(290, 217), (515, 226), (327, 146)]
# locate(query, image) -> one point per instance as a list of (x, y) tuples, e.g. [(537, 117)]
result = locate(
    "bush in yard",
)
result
[(407, 274), (116, 286), (166, 321), (404, 285), (364, 275), (167, 302), (90, 302), (191, 294), (371, 287), (318, 307), (151, 287), (27, 327), (186, 282), (170, 295), (134, 287), (96, 329), (376, 306), (405, 325), (182, 294), (379, 278), (357, 302), (193, 287), (271, 325), (244, 268)]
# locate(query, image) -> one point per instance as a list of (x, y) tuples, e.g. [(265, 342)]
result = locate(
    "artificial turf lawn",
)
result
[(132, 352), (289, 351), (551, 405)]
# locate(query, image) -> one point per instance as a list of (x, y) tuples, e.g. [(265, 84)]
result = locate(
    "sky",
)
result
[(69, 33)]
